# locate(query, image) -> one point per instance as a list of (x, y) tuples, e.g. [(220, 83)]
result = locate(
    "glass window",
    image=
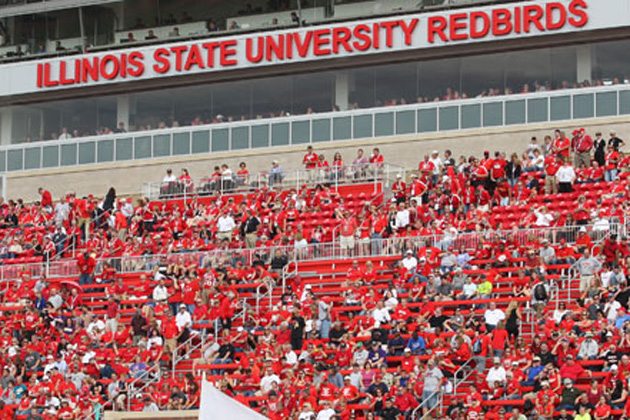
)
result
[(87, 153), (105, 151), (436, 78), (260, 136), (220, 140), (201, 141), (240, 138), (181, 143), (481, 73), (611, 61), (301, 132), (396, 83), (363, 126), (51, 156), (32, 156), (427, 120), (342, 128), (161, 145), (471, 116), (321, 130), (124, 149)]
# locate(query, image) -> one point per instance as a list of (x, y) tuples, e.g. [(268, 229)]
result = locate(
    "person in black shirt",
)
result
[(615, 141), (438, 320), (249, 229), (545, 354), (278, 261), (563, 415), (297, 330), (390, 412)]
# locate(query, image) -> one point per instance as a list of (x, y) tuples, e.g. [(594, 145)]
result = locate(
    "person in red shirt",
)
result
[(561, 145), (582, 146), (347, 231), (612, 159), (86, 264), (376, 161), (551, 166), (170, 332), (46, 200), (310, 160)]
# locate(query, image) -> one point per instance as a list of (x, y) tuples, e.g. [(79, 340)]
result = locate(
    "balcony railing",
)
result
[(297, 179), (447, 116)]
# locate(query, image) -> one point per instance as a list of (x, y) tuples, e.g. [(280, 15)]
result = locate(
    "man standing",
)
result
[(249, 229), (310, 162), (582, 146), (225, 226), (86, 266), (433, 377), (46, 200), (565, 177), (551, 169), (588, 266), (347, 229)]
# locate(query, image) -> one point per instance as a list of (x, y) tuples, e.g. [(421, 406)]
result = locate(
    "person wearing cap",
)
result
[(571, 370), (589, 349), (433, 379), (496, 373), (582, 145), (349, 392), (409, 262), (276, 174), (570, 395)]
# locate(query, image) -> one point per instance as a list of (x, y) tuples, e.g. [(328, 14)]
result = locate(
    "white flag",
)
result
[(215, 405)]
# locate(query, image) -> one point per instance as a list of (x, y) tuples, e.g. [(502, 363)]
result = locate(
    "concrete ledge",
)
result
[(405, 150)]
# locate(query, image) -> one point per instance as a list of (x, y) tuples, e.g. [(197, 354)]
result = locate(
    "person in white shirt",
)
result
[(409, 262), (565, 177), (62, 211), (267, 380), (169, 177), (493, 316), (402, 217), (601, 223), (65, 135), (183, 318), (225, 226), (496, 373), (307, 412), (436, 160), (380, 314), (290, 355), (160, 292), (326, 412), (543, 217), (227, 181)]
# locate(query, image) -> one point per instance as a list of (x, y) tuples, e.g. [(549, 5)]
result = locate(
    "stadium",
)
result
[(314, 210)]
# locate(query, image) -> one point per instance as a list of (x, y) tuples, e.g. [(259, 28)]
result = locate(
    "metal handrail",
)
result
[(291, 178), (131, 385), (465, 370), (313, 252), (439, 405)]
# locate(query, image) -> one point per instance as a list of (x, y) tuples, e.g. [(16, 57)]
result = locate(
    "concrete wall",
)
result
[(404, 151)]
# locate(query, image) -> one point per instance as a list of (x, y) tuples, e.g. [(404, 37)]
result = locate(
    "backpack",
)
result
[(476, 347), (540, 292)]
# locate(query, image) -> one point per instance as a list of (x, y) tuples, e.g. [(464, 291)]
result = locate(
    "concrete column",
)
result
[(6, 125), (123, 110), (584, 63), (342, 90)]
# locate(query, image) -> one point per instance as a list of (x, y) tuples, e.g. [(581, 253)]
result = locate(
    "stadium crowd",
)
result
[(394, 338)]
